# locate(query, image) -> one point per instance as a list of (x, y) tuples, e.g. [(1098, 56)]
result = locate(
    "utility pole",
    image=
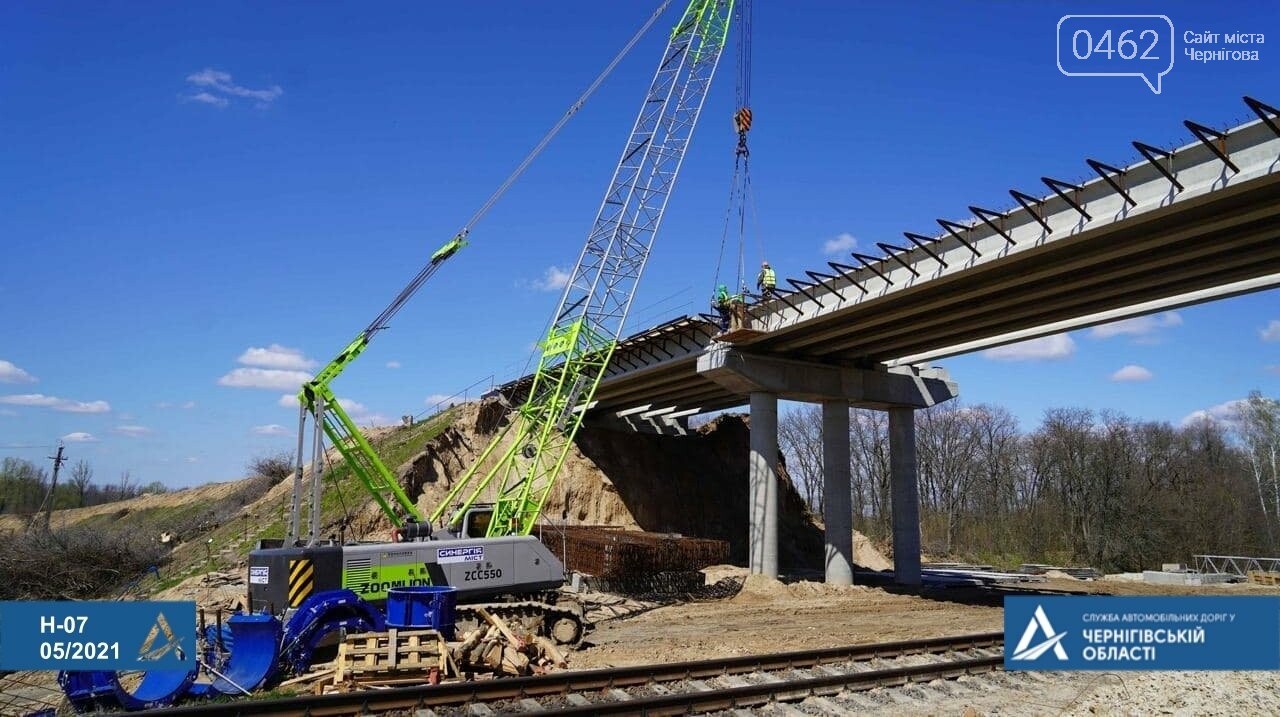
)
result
[(58, 460)]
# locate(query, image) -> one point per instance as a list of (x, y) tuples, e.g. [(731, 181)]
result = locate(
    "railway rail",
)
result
[(570, 692)]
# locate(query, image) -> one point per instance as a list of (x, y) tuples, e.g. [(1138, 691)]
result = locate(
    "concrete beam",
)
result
[(837, 500), (1191, 298), (763, 485), (902, 386), (660, 425)]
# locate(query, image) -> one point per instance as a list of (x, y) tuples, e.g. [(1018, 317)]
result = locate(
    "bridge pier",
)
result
[(905, 493), (837, 493), (762, 479), (899, 390)]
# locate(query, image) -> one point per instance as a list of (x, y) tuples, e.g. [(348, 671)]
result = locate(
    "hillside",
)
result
[(695, 485)]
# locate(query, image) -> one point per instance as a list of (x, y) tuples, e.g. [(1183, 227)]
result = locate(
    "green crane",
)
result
[(317, 400), (593, 309)]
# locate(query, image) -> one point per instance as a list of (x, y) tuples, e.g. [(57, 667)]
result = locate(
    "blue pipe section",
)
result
[(101, 690), (319, 616), (255, 650), (253, 660)]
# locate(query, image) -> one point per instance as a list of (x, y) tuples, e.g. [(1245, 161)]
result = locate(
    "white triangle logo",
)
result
[(1052, 641)]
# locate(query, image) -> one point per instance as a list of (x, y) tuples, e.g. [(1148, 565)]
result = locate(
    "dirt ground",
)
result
[(770, 616)]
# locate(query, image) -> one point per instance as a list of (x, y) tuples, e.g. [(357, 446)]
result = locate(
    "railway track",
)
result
[(673, 688)]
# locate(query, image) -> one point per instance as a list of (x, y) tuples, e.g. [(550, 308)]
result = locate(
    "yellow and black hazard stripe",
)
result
[(302, 580), (742, 120)]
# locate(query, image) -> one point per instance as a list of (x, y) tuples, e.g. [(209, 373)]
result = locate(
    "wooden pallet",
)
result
[(1264, 577), (736, 335), (376, 655)]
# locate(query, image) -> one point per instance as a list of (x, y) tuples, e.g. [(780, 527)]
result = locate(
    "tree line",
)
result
[(24, 487), (1083, 487)]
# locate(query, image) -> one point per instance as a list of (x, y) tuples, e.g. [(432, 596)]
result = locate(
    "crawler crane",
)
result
[(485, 548)]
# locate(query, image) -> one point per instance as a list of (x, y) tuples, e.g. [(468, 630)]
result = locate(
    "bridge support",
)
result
[(837, 500), (763, 484), (905, 496), (899, 390)]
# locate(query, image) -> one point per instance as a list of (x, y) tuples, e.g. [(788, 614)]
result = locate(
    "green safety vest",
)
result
[(767, 278)]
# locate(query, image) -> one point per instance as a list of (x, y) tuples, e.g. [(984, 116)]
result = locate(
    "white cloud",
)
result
[(163, 405), (289, 400), (133, 431), (1274, 369), (65, 405), (1045, 348), (206, 98), (1137, 326), (361, 414), (12, 374), (276, 356), (271, 378), (191, 459), (271, 429), (1131, 374), (1269, 334), (216, 86), (393, 364), (840, 244), (79, 437), (438, 398), (554, 279), (1221, 413)]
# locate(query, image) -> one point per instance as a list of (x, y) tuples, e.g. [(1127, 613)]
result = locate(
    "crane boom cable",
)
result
[(407, 293), (602, 286), (317, 399), (573, 109)]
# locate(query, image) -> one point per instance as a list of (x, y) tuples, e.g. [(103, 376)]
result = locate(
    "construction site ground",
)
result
[(767, 616)]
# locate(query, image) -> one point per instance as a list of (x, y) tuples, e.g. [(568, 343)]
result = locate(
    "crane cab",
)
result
[(474, 523)]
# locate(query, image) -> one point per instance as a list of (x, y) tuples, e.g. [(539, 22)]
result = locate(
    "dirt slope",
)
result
[(694, 485)]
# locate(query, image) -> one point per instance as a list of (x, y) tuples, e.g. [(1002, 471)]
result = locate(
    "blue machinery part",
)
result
[(256, 640), (423, 606), (321, 615), (101, 690), (241, 655)]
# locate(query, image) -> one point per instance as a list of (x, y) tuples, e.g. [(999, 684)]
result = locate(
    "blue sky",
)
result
[(191, 194)]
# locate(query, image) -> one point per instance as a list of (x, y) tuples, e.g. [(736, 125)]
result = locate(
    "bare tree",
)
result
[(800, 438), (869, 467), (127, 485), (81, 479), (1258, 427)]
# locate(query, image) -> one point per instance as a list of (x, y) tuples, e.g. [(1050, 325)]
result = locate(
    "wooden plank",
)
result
[(501, 625)]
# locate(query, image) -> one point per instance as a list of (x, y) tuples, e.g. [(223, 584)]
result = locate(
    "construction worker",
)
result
[(766, 280), (723, 304)]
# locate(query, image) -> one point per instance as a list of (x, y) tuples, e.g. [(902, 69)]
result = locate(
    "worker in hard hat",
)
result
[(723, 304), (766, 281)]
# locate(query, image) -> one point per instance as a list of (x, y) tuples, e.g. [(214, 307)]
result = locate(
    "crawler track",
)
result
[(674, 688)]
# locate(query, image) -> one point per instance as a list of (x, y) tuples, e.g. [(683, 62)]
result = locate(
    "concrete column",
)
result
[(763, 484), (837, 502), (906, 496)]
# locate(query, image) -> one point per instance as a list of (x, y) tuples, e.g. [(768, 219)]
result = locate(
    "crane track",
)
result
[(529, 695)]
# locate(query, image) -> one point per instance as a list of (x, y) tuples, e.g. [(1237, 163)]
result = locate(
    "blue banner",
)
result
[(1094, 632), (97, 635)]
